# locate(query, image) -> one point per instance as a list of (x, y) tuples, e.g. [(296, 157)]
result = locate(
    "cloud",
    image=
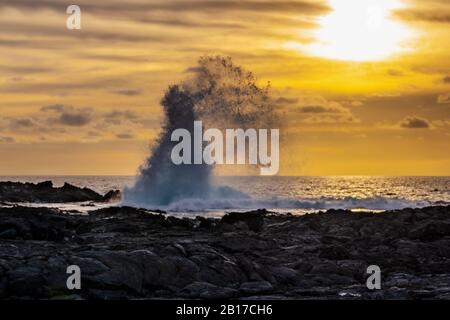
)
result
[(171, 22), (414, 122), (395, 73), (192, 70), (74, 119), (53, 107), (125, 136), (331, 119), (433, 16), (24, 70), (321, 109), (126, 114), (23, 123), (30, 29), (94, 134), (68, 115), (33, 44), (114, 57), (314, 109), (444, 98), (446, 79), (143, 22), (53, 85), (353, 102), (442, 123), (128, 92), (60, 122), (116, 117), (286, 100), (174, 6), (6, 139)]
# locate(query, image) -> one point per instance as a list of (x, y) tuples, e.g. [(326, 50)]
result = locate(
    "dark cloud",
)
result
[(74, 119), (414, 122), (128, 118), (25, 28), (126, 114), (320, 109), (446, 79), (116, 117), (315, 109), (128, 92), (167, 14), (192, 70), (60, 121), (302, 7), (286, 100), (170, 22), (125, 136), (72, 116), (68, 115), (23, 123)]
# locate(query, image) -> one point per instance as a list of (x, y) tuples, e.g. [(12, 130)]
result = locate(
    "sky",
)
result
[(363, 85)]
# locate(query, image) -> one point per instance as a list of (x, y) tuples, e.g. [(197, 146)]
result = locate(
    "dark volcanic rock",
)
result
[(205, 290), (35, 224), (431, 230), (253, 220), (256, 287), (127, 253), (112, 195), (45, 192)]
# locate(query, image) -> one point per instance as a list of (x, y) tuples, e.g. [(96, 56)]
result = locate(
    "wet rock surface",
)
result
[(46, 192), (127, 253)]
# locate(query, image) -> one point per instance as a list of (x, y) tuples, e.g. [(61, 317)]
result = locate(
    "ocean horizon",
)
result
[(293, 194)]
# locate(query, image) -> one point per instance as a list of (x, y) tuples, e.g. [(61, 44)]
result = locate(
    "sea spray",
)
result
[(221, 95)]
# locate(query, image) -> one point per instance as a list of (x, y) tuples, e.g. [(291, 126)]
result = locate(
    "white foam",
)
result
[(279, 203)]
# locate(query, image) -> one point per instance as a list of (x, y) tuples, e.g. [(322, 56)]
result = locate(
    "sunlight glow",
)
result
[(360, 30)]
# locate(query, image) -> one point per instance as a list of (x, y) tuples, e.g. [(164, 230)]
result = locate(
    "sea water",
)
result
[(297, 195)]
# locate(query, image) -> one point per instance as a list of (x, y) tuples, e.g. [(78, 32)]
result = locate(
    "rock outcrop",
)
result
[(45, 192), (127, 253)]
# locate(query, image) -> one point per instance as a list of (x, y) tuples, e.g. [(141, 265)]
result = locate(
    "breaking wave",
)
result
[(221, 95), (286, 204)]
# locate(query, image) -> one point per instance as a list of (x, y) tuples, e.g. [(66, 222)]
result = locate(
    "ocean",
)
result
[(297, 195)]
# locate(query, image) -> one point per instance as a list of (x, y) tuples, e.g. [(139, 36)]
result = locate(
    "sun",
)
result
[(360, 30)]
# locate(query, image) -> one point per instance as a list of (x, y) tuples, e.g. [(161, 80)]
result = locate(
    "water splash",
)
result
[(220, 94)]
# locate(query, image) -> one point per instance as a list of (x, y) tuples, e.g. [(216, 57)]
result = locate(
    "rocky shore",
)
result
[(127, 253), (46, 192)]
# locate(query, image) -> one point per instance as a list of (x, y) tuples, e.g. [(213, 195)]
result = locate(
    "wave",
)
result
[(312, 204), (221, 95)]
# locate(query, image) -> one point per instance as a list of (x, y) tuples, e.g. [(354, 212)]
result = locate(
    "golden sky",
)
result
[(364, 85)]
